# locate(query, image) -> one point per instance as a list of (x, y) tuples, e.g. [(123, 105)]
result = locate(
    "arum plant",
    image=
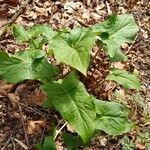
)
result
[(68, 95)]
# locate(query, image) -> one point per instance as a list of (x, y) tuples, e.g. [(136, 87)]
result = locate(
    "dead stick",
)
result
[(20, 11), (6, 144), (3, 93), (14, 18), (23, 124), (58, 132), (13, 143)]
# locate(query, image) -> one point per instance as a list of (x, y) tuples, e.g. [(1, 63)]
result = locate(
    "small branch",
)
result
[(108, 8), (13, 143), (6, 144), (23, 124), (21, 143), (42, 134), (58, 132), (20, 11), (14, 18), (82, 24), (22, 104)]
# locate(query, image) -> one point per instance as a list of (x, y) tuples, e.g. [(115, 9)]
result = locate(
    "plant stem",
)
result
[(58, 132)]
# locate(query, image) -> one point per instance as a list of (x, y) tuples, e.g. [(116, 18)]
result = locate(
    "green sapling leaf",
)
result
[(48, 144), (74, 50), (129, 81), (29, 64), (73, 102), (72, 142), (115, 31), (112, 117), (23, 35)]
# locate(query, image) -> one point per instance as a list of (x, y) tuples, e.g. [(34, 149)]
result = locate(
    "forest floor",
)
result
[(24, 126)]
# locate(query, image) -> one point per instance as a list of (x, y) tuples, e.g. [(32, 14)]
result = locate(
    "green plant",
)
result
[(48, 144), (127, 144), (143, 138), (66, 93)]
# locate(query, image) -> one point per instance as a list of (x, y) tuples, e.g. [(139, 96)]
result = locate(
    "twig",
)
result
[(58, 132), (108, 8), (21, 143), (42, 134), (22, 104), (16, 15), (13, 143), (6, 144), (82, 24), (23, 124), (20, 11)]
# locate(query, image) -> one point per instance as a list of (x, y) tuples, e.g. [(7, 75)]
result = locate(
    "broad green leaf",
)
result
[(129, 81), (112, 117), (72, 142), (75, 50), (48, 32), (38, 43), (28, 55), (73, 102), (25, 65), (16, 68), (39, 146), (43, 70), (20, 33), (32, 33), (48, 144), (115, 31)]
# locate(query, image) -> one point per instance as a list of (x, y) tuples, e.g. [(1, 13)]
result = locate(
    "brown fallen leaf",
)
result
[(34, 127), (21, 143), (103, 141), (118, 65), (14, 99), (69, 128), (140, 146), (36, 98), (125, 46), (6, 87), (10, 2), (59, 145), (4, 10), (3, 20)]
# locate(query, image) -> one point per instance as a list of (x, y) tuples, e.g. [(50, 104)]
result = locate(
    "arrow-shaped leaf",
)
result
[(29, 64), (73, 102), (129, 81), (75, 50), (115, 31), (112, 117)]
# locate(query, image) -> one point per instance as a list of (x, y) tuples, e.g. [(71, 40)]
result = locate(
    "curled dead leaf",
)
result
[(69, 128), (103, 141), (14, 99), (124, 46), (140, 146), (36, 98), (34, 127), (6, 87), (119, 65)]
